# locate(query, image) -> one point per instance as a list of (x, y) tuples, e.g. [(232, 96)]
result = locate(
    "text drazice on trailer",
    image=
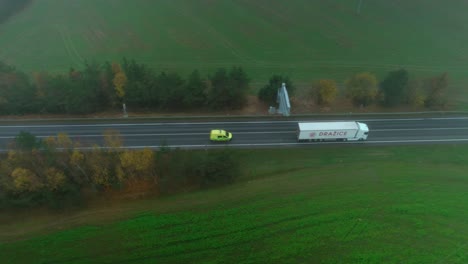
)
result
[(332, 131)]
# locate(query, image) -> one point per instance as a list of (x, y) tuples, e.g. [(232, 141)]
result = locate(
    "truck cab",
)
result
[(219, 135), (363, 131)]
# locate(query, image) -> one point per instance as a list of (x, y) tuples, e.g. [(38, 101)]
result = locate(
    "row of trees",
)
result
[(56, 173), (99, 87), (223, 89), (396, 89)]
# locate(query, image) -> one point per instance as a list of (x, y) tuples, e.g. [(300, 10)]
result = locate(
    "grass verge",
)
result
[(317, 205)]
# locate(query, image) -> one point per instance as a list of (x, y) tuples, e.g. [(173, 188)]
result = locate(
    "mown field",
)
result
[(307, 40), (319, 205)]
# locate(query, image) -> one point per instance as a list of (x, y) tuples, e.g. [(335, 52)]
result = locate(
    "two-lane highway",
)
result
[(246, 133)]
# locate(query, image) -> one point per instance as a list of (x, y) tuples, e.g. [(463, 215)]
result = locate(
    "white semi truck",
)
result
[(332, 131)]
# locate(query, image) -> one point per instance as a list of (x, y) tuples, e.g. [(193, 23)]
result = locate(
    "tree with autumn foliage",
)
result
[(40, 176), (325, 91), (119, 81), (100, 168), (135, 166), (415, 95), (58, 174), (101, 164), (362, 88), (436, 89), (25, 180), (40, 83), (63, 153), (55, 178)]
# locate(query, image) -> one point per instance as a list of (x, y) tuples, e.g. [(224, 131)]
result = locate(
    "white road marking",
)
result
[(236, 133), (223, 123), (156, 134), (423, 128), (295, 144), (214, 145)]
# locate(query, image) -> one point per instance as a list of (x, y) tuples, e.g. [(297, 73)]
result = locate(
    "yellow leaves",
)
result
[(139, 160), (362, 88), (326, 91), (119, 81), (12, 155), (121, 175), (146, 159), (63, 141), (55, 178), (51, 169), (40, 82), (76, 158), (101, 175), (25, 180), (135, 164), (416, 96), (419, 100), (98, 164)]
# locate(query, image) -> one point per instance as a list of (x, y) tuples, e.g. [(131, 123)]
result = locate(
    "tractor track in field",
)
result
[(69, 44)]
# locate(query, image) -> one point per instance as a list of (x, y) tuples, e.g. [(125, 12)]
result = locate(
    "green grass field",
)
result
[(305, 39), (320, 205)]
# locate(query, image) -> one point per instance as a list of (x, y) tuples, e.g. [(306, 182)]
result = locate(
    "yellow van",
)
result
[(220, 135)]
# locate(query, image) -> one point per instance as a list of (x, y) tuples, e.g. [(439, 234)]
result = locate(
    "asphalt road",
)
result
[(272, 133)]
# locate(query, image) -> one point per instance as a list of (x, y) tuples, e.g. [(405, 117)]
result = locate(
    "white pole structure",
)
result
[(124, 108), (283, 100)]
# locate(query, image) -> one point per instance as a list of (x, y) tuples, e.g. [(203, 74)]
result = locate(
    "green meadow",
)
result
[(305, 39), (312, 205)]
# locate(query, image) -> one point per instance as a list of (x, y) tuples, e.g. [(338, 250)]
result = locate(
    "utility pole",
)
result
[(358, 10)]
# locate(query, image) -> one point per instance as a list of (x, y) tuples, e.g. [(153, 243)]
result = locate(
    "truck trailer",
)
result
[(332, 131)]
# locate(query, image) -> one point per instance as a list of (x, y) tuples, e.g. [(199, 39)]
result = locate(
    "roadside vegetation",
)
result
[(100, 87), (55, 173), (106, 86), (315, 205)]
